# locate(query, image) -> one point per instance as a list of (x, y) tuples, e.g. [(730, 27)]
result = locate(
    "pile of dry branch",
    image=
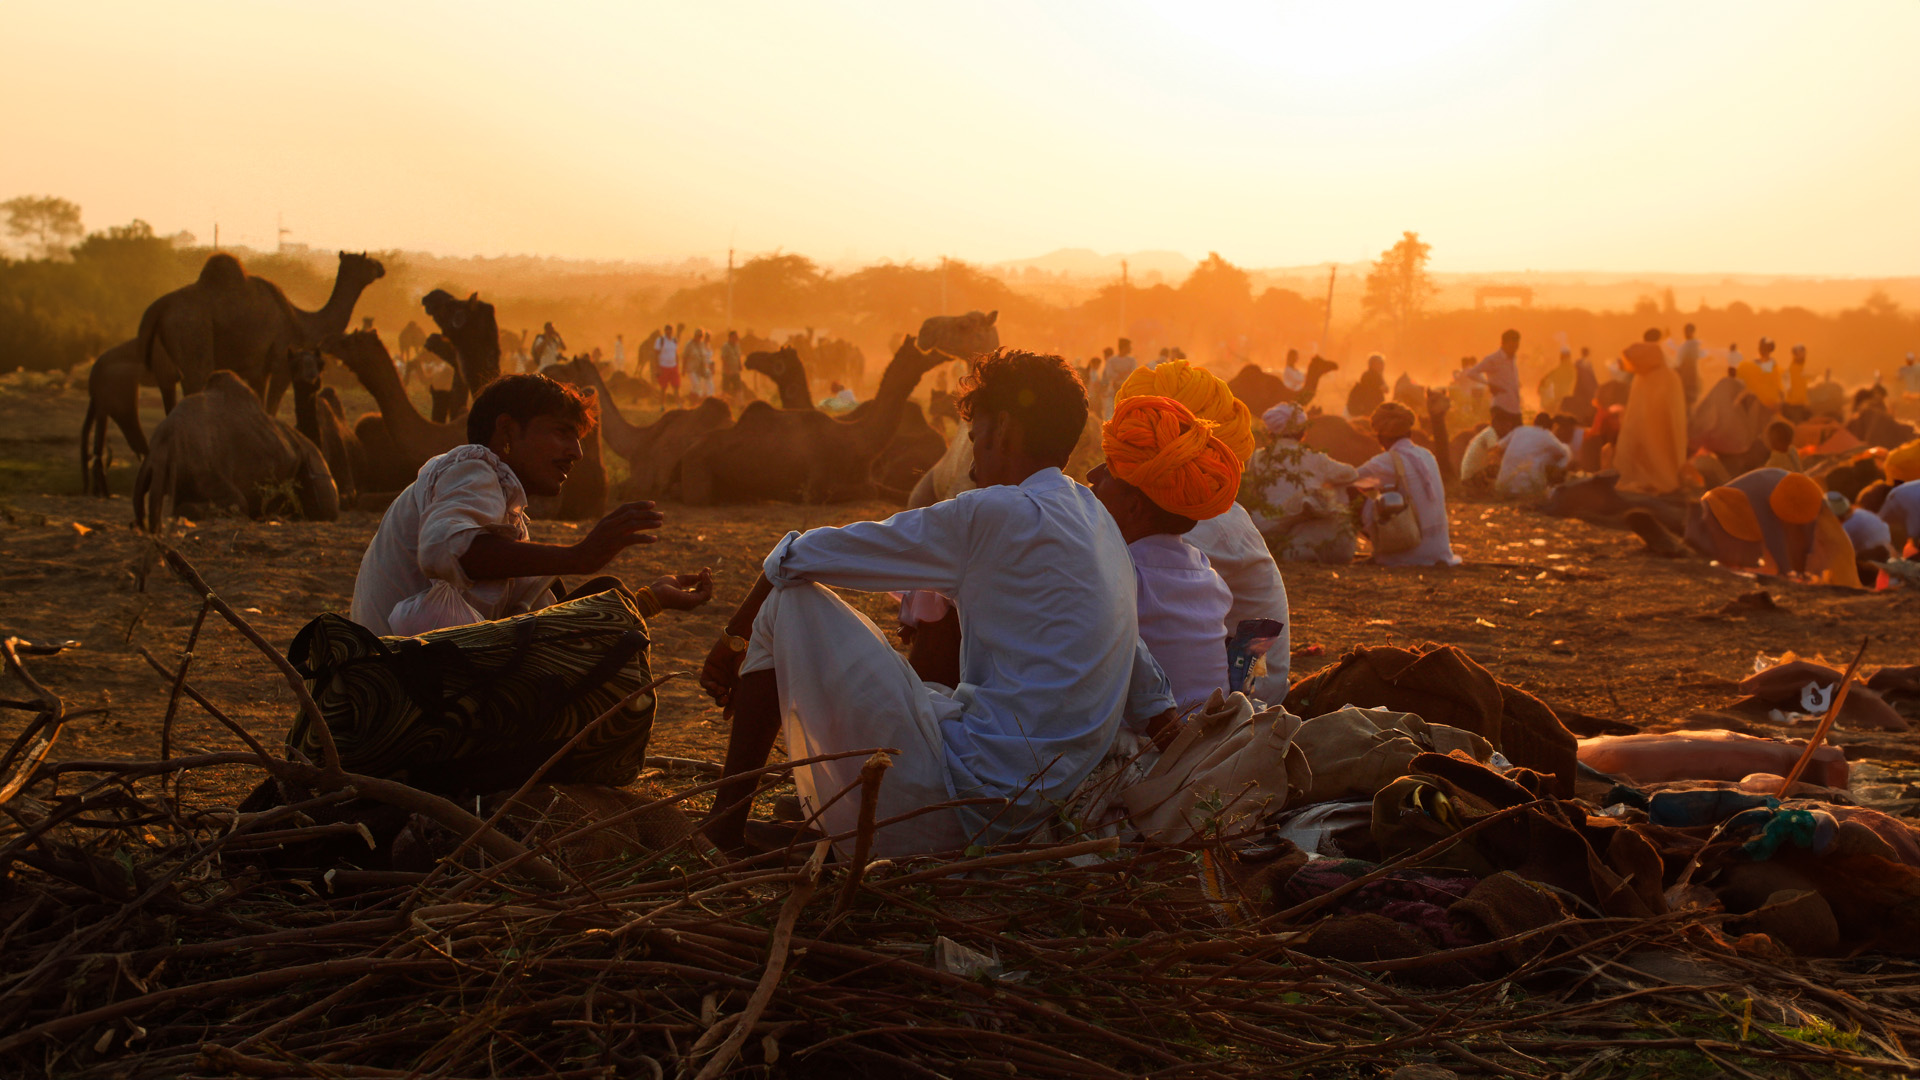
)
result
[(142, 939)]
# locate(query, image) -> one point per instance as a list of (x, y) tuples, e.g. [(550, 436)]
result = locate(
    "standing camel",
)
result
[(113, 393), (652, 451), (475, 335), (233, 320)]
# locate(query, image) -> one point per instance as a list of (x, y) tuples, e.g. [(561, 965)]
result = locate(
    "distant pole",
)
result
[(1123, 298), (216, 236), (1326, 324)]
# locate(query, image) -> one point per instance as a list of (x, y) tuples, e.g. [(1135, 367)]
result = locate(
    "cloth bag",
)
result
[(1398, 532), (1227, 769), (1355, 752), (475, 709)]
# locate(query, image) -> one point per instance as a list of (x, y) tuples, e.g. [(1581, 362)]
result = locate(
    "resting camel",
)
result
[(113, 393), (316, 413), (1352, 441), (232, 320), (654, 450), (800, 454), (915, 448), (397, 440), (1261, 391), (220, 447)]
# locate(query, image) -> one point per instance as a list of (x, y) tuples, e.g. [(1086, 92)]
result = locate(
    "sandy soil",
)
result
[(1572, 612)]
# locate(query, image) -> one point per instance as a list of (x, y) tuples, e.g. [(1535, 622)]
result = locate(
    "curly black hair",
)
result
[(1041, 393), (524, 397)]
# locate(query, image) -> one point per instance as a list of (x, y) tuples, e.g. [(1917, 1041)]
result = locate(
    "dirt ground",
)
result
[(1572, 612)]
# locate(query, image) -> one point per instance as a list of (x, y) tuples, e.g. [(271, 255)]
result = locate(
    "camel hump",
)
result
[(222, 271), (226, 384)]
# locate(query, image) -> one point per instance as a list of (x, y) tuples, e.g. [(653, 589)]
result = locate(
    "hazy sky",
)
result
[(1611, 135)]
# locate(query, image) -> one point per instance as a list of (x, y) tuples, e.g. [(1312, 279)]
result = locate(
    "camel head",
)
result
[(471, 326), (774, 365), (962, 336), (438, 345), (305, 364), (1438, 401), (360, 268), (359, 350), (1320, 367)]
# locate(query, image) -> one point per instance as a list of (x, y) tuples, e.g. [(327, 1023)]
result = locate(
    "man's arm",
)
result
[(491, 557)]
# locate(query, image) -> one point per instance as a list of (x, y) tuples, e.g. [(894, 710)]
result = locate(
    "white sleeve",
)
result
[(466, 500), (1148, 692), (927, 548)]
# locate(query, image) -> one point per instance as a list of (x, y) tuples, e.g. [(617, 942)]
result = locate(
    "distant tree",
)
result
[(46, 224), (1218, 284), (1398, 287)]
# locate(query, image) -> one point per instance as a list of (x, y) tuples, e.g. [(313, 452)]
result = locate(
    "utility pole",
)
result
[(1326, 324), (282, 232), (216, 236)]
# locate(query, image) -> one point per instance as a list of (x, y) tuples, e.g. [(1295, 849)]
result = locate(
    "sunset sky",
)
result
[(1739, 137)]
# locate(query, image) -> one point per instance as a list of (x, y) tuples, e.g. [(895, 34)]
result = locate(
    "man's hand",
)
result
[(684, 592), (626, 526), (721, 673)]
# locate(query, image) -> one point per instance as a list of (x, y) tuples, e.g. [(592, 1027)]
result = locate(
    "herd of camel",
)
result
[(234, 344)]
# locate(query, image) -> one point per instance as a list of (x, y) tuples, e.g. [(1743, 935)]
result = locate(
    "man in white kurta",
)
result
[(1050, 660), (1529, 454)]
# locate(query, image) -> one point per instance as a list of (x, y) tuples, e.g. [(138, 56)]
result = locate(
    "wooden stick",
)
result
[(776, 965), (871, 774), (52, 715), (1826, 722)]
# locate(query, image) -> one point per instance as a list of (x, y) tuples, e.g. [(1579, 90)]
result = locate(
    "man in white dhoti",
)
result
[(1049, 666)]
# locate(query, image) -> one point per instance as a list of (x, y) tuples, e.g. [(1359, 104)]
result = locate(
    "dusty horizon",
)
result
[(1724, 139)]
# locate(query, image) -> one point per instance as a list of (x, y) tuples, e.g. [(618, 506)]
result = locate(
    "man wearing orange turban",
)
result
[(1776, 522), (1166, 471), (1230, 541)]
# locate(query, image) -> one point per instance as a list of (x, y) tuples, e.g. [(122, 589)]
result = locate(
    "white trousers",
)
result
[(843, 687)]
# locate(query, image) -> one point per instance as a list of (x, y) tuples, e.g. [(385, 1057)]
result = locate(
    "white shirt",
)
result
[(425, 532), (1530, 452), (1866, 531), (1183, 615), (1051, 661), (1502, 377), (1426, 496), (1910, 378), (1239, 554), (1474, 458), (669, 352)]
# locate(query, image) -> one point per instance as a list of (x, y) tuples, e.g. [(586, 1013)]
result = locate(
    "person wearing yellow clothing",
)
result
[(1776, 522), (1653, 432), (1793, 399), (1760, 376)]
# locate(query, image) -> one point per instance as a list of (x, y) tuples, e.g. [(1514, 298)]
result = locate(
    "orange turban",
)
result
[(1797, 499), (1204, 395), (1903, 463), (1734, 513), (1159, 446)]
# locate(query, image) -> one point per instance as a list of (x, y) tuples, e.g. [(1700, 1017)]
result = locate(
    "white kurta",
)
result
[(1424, 493), (1529, 452), (1183, 615), (1240, 555), (1051, 662), (410, 578)]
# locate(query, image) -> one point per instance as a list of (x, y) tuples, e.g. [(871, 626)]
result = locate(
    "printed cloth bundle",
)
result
[(475, 709)]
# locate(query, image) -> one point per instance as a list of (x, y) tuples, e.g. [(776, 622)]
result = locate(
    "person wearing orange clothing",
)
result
[(1776, 522), (1793, 398), (1166, 471), (1652, 447), (1760, 376)]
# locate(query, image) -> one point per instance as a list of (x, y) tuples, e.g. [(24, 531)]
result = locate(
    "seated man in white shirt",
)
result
[(1532, 459), (454, 547), (1184, 475), (1050, 662)]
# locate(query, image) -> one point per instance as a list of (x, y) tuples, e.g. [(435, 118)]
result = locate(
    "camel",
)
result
[(317, 415), (470, 325), (113, 393), (397, 440), (788, 373), (232, 320), (652, 451), (1262, 391), (915, 448), (451, 403), (799, 454), (219, 447), (412, 340), (961, 337), (952, 474)]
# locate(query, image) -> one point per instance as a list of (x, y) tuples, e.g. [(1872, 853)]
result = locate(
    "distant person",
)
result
[(1165, 355), (1761, 378), (548, 348), (1910, 382), (839, 398), (1582, 403), (1500, 370), (1531, 460), (1558, 383), (1409, 469), (1295, 380), (1872, 539), (1370, 390), (698, 364), (667, 364), (1652, 448), (620, 352), (1687, 365), (1297, 496), (731, 367), (1776, 522), (1121, 363), (1793, 397), (1780, 451)]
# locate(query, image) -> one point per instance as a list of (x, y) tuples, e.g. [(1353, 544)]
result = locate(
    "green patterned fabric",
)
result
[(476, 709)]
